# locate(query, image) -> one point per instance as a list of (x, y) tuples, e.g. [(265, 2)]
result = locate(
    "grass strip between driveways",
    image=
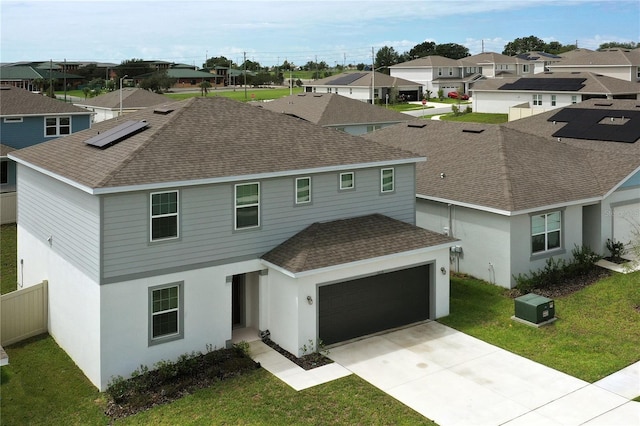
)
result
[(597, 332), (8, 253)]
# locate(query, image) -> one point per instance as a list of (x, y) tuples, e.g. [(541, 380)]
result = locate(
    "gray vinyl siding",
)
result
[(50, 208), (206, 217), (31, 130)]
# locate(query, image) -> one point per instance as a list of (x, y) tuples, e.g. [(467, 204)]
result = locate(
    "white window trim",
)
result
[(393, 180), (58, 134), (546, 233), (537, 100), (15, 120), (236, 207), (553, 100), (176, 214), (179, 334), (353, 181), (298, 201)]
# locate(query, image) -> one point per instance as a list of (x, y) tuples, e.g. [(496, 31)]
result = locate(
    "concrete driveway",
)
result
[(455, 379)]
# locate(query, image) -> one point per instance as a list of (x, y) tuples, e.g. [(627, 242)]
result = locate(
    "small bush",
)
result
[(616, 248)]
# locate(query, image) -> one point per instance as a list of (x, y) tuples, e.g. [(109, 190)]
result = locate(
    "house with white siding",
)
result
[(524, 96), (119, 102), (517, 194), (176, 228)]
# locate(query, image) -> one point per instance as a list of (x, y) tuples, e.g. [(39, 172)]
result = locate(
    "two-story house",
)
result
[(623, 64), (27, 119), (174, 228)]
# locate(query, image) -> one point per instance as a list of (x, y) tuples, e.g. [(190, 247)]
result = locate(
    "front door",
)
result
[(237, 301)]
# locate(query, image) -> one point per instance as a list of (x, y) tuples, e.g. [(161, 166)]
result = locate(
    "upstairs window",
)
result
[(525, 68), (303, 190), (545, 232), (574, 99), (347, 181), (57, 126), (553, 100), (537, 100), (247, 205), (164, 215), (387, 183)]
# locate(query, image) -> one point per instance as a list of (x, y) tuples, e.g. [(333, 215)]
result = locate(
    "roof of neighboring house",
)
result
[(489, 58), (322, 245), (623, 57), (205, 140), (592, 83), (17, 101), (428, 61), (538, 56), (5, 149), (515, 166), (181, 73), (328, 109), (20, 72), (362, 79), (132, 98)]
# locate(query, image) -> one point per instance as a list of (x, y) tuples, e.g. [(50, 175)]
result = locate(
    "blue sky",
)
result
[(271, 31)]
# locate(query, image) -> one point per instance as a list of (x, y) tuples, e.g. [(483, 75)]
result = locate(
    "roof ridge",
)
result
[(504, 168), (103, 182)]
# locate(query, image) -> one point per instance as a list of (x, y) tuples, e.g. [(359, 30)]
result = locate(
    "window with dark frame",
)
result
[(4, 172), (57, 126)]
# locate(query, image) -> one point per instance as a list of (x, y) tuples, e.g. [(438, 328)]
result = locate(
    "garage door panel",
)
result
[(626, 221), (367, 305)]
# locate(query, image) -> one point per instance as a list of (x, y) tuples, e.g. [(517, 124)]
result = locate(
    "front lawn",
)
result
[(252, 94), (477, 117), (596, 334), (42, 386)]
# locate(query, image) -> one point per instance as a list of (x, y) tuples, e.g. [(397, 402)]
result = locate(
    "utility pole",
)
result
[(373, 78), (244, 58), (65, 79)]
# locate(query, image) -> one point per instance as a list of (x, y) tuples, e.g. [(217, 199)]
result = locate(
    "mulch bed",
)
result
[(152, 388), (567, 286), (308, 361)]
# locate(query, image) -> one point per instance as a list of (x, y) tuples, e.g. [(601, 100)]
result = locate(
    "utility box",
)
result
[(534, 308)]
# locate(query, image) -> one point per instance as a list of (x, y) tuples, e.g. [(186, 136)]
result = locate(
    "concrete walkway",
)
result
[(455, 379)]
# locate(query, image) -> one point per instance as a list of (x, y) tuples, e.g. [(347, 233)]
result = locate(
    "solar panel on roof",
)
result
[(590, 124), (117, 134), (347, 79), (546, 84)]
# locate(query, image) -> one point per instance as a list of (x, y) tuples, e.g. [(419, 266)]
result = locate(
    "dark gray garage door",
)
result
[(367, 305)]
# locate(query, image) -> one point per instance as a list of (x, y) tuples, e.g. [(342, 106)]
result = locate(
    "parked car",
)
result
[(454, 95)]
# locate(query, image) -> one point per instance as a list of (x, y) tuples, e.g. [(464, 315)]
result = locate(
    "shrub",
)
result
[(616, 248)]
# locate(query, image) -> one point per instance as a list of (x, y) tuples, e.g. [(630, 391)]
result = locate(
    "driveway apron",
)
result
[(456, 379)]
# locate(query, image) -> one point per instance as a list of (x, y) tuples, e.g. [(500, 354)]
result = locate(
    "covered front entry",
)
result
[(363, 306)]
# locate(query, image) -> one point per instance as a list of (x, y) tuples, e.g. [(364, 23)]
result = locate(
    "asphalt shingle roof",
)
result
[(205, 138), (327, 109), (514, 166), (17, 101), (327, 244), (132, 98), (381, 80)]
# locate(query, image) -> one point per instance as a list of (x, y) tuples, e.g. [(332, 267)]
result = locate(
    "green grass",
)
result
[(42, 385), (408, 107), (477, 117), (596, 334), (239, 94), (260, 398), (8, 254)]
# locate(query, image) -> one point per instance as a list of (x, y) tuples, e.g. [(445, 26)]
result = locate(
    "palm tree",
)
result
[(204, 87)]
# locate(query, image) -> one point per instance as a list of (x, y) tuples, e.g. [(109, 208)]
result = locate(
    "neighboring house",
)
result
[(169, 232), (623, 64), (540, 60), (33, 77), (439, 73), (28, 119), (357, 85), (187, 77), (337, 112), (7, 186), (525, 96), (518, 194), (107, 105)]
